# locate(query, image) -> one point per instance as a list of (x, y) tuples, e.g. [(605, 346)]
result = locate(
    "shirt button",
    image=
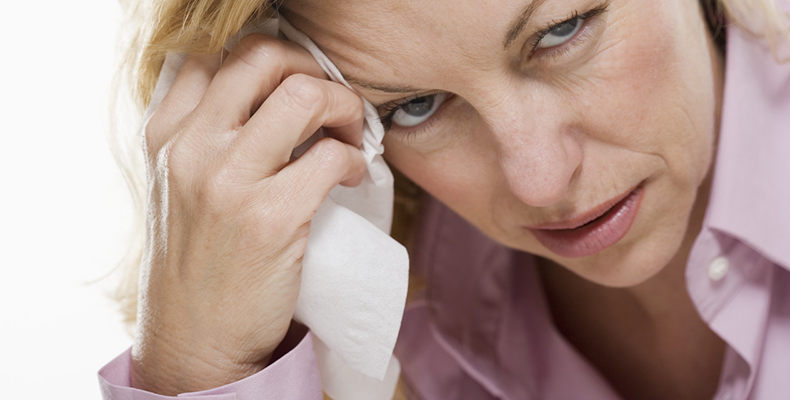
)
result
[(718, 268)]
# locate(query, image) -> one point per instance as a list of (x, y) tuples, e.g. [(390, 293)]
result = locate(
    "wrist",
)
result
[(161, 368)]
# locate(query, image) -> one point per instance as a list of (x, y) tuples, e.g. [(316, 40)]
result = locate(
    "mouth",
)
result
[(592, 231)]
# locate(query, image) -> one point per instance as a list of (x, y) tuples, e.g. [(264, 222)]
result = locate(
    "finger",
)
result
[(296, 109), (191, 84), (351, 133), (188, 88), (326, 164), (253, 69)]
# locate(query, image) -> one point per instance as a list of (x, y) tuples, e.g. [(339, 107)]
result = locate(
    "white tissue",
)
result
[(354, 275)]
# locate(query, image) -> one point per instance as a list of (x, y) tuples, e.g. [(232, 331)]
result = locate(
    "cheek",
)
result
[(461, 171), (656, 86)]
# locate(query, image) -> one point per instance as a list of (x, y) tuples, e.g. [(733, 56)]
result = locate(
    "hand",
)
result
[(228, 213)]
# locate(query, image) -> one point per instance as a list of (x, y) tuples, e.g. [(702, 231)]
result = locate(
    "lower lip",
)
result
[(597, 235)]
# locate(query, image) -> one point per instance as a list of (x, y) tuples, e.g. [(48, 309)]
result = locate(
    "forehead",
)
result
[(419, 43)]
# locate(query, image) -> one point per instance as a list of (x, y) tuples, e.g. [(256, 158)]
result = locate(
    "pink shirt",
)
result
[(483, 331)]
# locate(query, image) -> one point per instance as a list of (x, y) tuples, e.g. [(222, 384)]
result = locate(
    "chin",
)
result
[(648, 248), (628, 265)]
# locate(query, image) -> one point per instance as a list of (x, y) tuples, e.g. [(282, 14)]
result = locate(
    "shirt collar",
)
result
[(750, 196)]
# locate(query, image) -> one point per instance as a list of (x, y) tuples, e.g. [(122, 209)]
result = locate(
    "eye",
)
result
[(417, 111), (560, 33)]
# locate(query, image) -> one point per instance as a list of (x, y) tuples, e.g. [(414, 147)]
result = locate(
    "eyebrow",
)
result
[(521, 22), (380, 87)]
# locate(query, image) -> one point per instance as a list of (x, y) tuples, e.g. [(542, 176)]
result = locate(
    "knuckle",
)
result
[(177, 155), (258, 50), (150, 140), (303, 92), (153, 132), (212, 196), (177, 162), (332, 155), (211, 191)]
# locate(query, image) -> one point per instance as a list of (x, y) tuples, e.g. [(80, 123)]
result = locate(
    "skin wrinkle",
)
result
[(552, 139), (521, 23), (363, 52)]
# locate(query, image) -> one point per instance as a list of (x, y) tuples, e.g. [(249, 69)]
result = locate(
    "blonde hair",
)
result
[(159, 27)]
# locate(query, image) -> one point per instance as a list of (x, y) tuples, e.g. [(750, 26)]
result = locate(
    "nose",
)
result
[(539, 150)]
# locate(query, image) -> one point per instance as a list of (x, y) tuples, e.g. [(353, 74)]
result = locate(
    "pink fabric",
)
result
[(483, 330), (293, 376)]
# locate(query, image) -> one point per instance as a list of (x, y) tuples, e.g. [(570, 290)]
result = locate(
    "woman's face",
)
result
[(527, 116)]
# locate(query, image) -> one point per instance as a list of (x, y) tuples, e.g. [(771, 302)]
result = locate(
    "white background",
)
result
[(64, 211)]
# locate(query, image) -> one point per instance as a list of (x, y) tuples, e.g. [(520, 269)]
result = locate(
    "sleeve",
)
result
[(292, 376)]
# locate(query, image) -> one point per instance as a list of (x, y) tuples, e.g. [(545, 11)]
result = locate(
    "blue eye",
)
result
[(560, 33), (419, 110)]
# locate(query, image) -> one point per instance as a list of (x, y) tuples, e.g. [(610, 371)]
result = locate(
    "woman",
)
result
[(618, 224)]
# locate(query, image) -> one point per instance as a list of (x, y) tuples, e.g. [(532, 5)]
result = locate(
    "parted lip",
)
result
[(586, 217)]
